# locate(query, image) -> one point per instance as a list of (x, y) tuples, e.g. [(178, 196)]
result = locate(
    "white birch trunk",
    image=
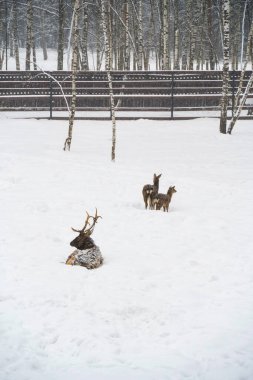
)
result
[(240, 107), (43, 35), (70, 39), (210, 34), (74, 64), (165, 36), (176, 64), (34, 53), (29, 40), (84, 41), (127, 47), (239, 104), (104, 7), (15, 34), (243, 22), (60, 36), (194, 30), (247, 57), (225, 78), (140, 37)]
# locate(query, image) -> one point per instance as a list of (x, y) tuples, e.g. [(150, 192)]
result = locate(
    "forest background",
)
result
[(142, 34)]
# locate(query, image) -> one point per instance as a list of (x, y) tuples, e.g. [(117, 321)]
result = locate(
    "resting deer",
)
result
[(149, 191), (87, 253), (163, 200)]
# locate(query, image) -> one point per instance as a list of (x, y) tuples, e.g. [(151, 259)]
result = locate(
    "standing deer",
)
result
[(163, 200), (149, 191), (87, 253)]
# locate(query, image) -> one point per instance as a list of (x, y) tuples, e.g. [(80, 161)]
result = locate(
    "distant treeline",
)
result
[(174, 34)]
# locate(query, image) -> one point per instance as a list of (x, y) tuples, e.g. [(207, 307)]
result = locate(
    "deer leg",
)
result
[(145, 198), (71, 259), (148, 201)]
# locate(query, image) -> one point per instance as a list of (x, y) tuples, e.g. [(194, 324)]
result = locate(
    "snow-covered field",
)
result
[(174, 298)]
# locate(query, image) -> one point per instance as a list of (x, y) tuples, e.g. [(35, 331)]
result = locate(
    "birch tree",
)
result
[(193, 34), (165, 35), (235, 33), (127, 47), (43, 36), (1, 35), (60, 50), (210, 33), (104, 9), (84, 38), (240, 103), (225, 74), (176, 36), (29, 34), (140, 37), (98, 42), (200, 40), (74, 65), (247, 57), (15, 34), (185, 35), (243, 23)]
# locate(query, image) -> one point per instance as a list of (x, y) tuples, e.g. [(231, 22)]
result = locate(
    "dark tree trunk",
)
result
[(60, 36)]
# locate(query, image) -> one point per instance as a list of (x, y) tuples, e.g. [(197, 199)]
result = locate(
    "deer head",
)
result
[(156, 179), (172, 190), (83, 240)]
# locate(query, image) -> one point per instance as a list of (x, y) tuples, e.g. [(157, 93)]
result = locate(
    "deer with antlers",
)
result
[(87, 253), (149, 191)]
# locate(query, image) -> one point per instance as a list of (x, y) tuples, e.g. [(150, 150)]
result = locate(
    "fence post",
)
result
[(51, 99), (172, 96)]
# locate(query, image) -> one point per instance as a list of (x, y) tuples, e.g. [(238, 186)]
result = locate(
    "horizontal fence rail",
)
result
[(133, 91)]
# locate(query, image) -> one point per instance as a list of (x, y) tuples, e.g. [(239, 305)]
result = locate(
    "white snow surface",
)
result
[(174, 298)]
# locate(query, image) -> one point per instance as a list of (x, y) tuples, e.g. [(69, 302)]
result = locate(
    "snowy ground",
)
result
[(174, 297)]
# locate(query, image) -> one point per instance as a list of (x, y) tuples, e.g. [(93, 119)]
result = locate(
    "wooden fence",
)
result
[(168, 91)]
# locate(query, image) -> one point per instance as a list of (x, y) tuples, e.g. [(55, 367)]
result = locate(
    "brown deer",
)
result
[(163, 200), (87, 253), (149, 191)]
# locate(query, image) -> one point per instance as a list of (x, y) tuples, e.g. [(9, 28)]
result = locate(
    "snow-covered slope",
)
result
[(173, 299)]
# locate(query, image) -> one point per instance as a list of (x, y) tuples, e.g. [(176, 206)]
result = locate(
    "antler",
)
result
[(95, 219), (89, 230), (85, 225)]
